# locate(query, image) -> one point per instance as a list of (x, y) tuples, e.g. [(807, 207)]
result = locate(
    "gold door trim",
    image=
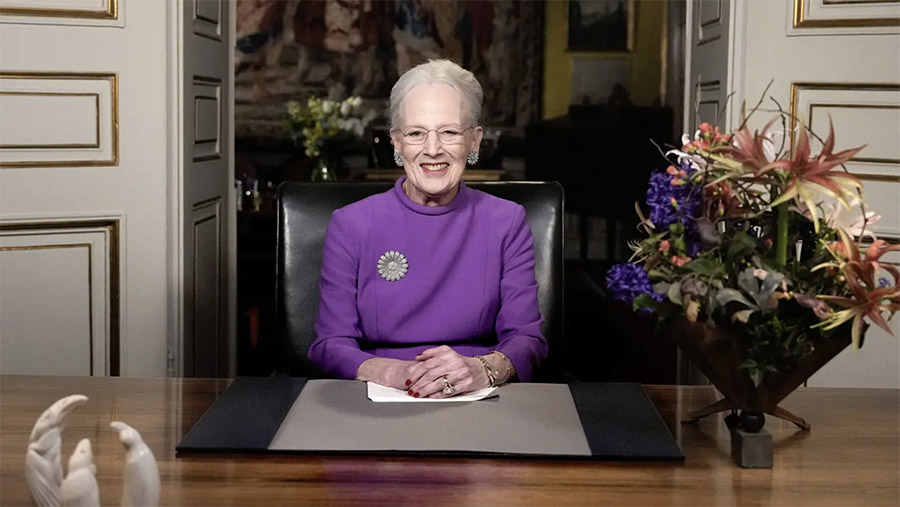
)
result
[(111, 12), (801, 21)]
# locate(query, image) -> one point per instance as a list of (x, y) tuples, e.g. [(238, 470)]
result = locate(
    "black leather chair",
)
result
[(304, 210)]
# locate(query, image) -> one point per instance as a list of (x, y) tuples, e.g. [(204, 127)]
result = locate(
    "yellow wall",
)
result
[(646, 60)]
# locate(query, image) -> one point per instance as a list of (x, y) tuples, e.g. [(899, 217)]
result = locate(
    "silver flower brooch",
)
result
[(392, 266)]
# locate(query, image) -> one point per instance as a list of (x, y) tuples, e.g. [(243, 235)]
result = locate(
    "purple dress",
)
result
[(470, 283)]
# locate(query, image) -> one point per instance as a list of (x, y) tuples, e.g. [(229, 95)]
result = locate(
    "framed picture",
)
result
[(595, 79), (601, 25)]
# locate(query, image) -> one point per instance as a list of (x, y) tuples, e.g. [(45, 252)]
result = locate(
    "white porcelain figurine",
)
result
[(43, 470), (141, 474), (80, 489)]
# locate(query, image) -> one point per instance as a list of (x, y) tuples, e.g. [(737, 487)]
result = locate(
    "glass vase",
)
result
[(323, 170)]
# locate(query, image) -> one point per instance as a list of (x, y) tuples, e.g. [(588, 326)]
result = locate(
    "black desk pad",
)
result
[(618, 422), (621, 423), (245, 417)]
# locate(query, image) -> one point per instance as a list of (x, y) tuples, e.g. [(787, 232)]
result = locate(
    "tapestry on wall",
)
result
[(288, 50)]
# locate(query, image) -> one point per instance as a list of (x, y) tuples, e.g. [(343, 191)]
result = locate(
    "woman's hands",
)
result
[(425, 376), (384, 371)]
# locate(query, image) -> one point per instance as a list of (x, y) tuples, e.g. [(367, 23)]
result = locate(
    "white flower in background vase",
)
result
[(851, 220)]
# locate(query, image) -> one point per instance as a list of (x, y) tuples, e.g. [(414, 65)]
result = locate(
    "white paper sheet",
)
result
[(379, 393)]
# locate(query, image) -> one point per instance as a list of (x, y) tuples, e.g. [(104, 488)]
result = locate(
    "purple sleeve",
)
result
[(518, 323), (336, 350)]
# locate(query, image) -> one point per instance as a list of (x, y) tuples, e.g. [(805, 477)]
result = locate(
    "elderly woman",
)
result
[(430, 287)]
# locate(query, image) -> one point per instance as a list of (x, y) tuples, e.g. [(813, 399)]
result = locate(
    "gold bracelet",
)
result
[(491, 374), (510, 369)]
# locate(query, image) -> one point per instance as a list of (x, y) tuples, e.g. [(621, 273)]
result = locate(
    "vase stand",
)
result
[(751, 449), (723, 405)]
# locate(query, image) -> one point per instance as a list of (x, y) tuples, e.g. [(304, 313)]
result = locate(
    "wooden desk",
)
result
[(851, 456)]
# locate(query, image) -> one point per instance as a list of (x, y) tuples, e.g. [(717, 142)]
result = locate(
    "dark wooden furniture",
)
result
[(849, 458), (603, 157)]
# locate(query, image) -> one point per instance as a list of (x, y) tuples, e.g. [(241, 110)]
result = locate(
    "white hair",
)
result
[(443, 72)]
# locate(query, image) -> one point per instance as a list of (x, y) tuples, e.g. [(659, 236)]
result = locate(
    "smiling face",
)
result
[(433, 169)]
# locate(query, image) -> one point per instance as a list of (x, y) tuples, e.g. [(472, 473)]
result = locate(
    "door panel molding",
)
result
[(807, 97), (846, 14), (102, 120), (108, 279), (80, 10)]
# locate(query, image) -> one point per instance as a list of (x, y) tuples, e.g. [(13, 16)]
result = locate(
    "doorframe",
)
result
[(737, 52), (737, 56), (175, 189), (231, 198)]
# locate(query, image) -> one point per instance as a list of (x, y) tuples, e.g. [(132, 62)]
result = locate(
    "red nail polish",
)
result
[(416, 395), (409, 392), (408, 382)]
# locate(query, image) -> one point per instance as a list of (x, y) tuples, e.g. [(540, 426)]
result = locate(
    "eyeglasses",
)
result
[(418, 135)]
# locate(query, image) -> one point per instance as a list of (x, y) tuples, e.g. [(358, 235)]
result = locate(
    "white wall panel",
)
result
[(880, 143), (39, 283), (862, 114), (883, 197), (59, 298), (58, 119), (816, 59), (876, 363), (49, 120), (836, 63)]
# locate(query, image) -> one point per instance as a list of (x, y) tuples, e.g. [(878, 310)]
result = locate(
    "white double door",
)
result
[(824, 59), (116, 209)]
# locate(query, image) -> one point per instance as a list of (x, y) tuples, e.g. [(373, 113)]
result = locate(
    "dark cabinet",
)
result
[(603, 157)]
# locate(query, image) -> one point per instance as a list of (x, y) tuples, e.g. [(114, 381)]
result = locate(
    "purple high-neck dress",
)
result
[(470, 282)]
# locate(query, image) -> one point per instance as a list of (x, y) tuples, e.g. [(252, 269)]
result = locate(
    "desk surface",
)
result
[(851, 456)]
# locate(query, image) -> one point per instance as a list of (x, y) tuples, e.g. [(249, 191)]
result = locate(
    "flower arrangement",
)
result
[(321, 124), (740, 234)]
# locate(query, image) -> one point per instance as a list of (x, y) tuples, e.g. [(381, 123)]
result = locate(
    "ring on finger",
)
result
[(448, 386)]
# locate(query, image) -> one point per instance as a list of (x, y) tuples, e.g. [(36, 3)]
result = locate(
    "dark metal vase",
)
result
[(718, 353)]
